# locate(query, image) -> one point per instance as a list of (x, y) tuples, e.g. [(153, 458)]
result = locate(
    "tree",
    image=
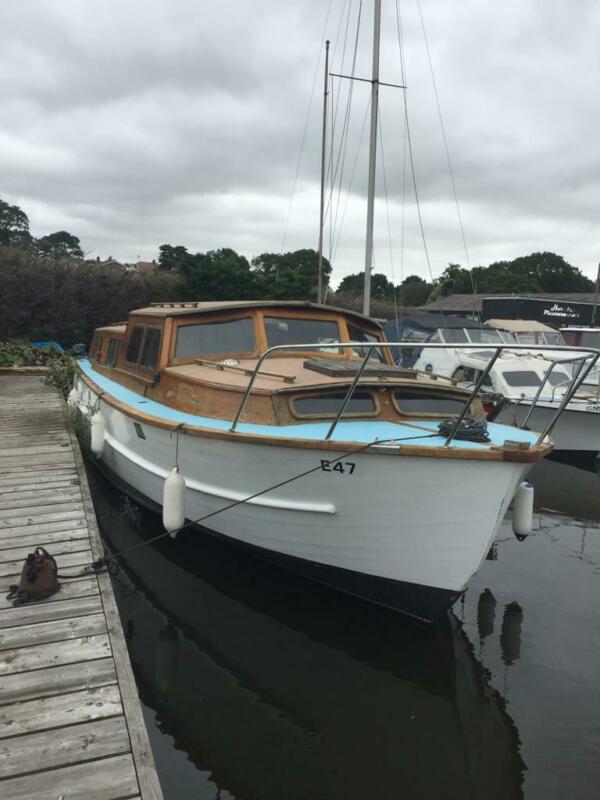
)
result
[(216, 275), (289, 276), (14, 225), (381, 287), (413, 291), (173, 257), (59, 245), (550, 272)]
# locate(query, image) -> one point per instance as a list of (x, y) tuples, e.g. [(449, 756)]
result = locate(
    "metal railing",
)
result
[(590, 354)]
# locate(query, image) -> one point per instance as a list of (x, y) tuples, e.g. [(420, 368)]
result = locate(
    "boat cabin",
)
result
[(199, 358), (577, 336)]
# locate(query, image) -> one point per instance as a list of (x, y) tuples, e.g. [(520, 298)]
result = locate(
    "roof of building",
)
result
[(206, 307), (430, 322), (466, 303)]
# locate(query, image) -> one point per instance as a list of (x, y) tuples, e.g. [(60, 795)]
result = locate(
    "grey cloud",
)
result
[(137, 123)]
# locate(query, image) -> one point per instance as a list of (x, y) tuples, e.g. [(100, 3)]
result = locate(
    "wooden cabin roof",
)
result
[(289, 374), (115, 327), (206, 307)]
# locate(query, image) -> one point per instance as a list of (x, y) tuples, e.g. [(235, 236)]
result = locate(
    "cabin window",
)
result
[(133, 350), (210, 338), (522, 377), (113, 349), (328, 405), (556, 378), (151, 348), (410, 403), (98, 348), (471, 376), (295, 330), (358, 335), (590, 339)]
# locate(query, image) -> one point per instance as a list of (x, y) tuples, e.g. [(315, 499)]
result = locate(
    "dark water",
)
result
[(260, 685)]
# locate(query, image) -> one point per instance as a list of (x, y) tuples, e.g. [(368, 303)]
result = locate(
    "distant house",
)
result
[(108, 263), (144, 267)]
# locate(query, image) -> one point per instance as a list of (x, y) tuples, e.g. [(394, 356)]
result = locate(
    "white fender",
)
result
[(523, 510), (73, 398), (97, 434), (174, 502)]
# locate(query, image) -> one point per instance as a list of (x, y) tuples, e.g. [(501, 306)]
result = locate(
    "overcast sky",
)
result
[(133, 124)]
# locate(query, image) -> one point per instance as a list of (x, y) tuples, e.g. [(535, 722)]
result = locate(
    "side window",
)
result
[(151, 348), (133, 350), (98, 348), (113, 349)]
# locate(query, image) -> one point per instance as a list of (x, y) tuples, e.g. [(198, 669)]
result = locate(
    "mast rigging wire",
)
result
[(306, 121), (409, 139), (447, 151)]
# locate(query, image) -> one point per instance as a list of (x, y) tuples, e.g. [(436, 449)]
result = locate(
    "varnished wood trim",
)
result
[(535, 453)]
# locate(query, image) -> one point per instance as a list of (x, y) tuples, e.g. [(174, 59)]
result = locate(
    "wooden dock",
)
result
[(71, 724)]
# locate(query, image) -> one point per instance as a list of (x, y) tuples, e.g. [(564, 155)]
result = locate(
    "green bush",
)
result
[(24, 354), (60, 374)]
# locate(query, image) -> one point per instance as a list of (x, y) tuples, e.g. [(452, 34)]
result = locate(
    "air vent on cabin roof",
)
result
[(342, 369), (173, 305)]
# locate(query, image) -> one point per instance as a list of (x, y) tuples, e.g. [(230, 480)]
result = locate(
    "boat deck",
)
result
[(423, 433), (71, 724)]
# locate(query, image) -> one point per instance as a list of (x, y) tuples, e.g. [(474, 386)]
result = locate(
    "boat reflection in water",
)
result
[(282, 689)]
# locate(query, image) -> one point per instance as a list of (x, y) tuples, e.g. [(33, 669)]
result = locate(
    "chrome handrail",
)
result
[(553, 363), (593, 354)]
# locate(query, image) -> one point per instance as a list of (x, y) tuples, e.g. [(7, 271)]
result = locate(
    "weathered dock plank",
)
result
[(50, 612), (57, 680), (71, 724), (104, 779), (78, 743)]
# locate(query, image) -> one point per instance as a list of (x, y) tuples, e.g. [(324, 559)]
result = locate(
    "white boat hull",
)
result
[(404, 531), (575, 429)]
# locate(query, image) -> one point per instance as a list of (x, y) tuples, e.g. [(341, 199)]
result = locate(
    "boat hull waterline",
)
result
[(402, 531)]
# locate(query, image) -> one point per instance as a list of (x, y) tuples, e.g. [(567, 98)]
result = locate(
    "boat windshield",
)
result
[(359, 335), (540, 337), (453, 335), (295, 330), (212, 338), (484, 336)]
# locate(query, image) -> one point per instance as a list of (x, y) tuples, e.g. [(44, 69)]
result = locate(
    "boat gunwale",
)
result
[(492, 453)]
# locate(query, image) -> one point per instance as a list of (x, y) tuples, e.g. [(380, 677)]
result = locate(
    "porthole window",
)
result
[(329, 405), (411, 403)]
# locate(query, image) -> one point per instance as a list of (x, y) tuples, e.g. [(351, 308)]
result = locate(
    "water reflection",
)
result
[(280, 689), (510, 637), (486, 614)]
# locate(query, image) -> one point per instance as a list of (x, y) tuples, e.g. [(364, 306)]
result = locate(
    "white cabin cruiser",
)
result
[(534, 382)]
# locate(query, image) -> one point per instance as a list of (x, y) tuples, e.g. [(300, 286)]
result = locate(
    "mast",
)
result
[(372, 156), (595, 308), (323, 143)]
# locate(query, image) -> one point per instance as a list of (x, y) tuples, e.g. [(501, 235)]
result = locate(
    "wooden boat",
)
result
[(378, 503)]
